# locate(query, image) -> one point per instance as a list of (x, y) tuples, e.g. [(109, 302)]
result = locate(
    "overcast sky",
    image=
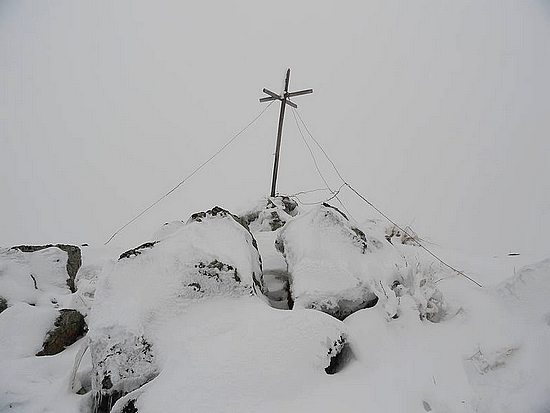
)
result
[(437, 111)]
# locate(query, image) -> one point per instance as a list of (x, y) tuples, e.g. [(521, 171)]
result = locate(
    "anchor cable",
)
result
[(197, 169), (344, 182), (334, 193)]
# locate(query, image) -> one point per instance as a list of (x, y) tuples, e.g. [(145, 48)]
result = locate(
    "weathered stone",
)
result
[(74, 259), (3, 304), (340, 355), (137, 251), (130, 407), (68, 328)]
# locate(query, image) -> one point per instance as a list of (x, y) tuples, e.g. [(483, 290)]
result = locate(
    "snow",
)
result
[(228, 350)]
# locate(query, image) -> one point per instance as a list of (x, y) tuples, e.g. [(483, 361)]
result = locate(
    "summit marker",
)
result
[(285, 100)]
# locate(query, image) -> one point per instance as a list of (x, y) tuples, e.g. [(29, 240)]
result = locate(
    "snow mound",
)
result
[(213, 255), (527, 292), (238, 356)]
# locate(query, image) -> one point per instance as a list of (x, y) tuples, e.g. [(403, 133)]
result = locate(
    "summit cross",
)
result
[(285, 100)]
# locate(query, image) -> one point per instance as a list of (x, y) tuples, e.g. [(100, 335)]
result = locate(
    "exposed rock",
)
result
[(3, 304), (340, 355), (217, 212), (68, 328), (74, 260), (136, 251), (271, 213), (130, 407)]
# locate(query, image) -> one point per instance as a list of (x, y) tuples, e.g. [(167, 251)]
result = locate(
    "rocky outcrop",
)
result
[(74, 260), (136, 251), (68, 328)]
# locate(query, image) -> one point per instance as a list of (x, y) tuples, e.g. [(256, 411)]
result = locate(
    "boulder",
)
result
[(38, 276), (74, 258), (332, 264), (68, 328)]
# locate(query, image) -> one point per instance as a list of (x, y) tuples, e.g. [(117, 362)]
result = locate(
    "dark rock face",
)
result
[(3, 304), (340, 355), (130, 407), (68, 328), (137, 251), (74, 260)]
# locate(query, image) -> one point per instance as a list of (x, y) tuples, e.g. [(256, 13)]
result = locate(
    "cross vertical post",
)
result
[(284, 98)]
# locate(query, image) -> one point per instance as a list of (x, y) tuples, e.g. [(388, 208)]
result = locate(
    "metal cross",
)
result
[(285, 100)]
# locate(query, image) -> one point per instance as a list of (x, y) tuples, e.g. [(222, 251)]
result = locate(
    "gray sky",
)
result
[(436, 111)]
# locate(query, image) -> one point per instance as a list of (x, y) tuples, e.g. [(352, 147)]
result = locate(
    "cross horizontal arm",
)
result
[(299, 92), (268, 99), (272, 94), (294, 105)]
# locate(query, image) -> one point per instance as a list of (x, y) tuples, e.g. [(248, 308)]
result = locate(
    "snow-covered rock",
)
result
[(270, 214), (37, 277), (212, 256), (333, 266), (73, 262)]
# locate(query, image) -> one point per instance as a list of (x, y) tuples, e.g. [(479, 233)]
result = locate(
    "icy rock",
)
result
[(270, 214), (331, 263), (213, 255), (122, 362), (68, 328)]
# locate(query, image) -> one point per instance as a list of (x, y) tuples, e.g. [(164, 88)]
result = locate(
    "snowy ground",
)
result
[(237, 354)]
